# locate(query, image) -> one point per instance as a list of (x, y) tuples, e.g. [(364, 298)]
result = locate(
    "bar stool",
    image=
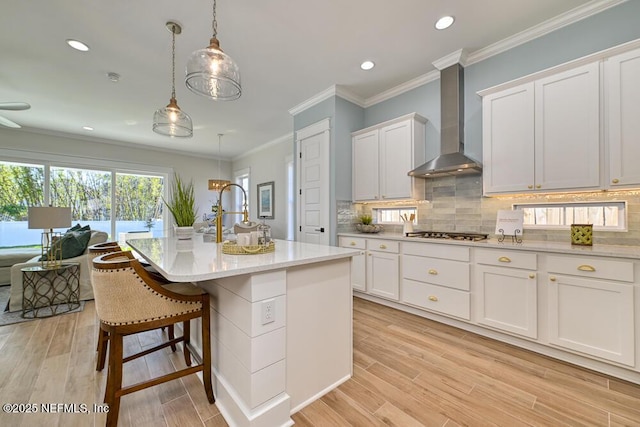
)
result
[(129, 301)]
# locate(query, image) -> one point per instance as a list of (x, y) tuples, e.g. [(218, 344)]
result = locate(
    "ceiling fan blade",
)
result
[(8, 123), (14, 106)]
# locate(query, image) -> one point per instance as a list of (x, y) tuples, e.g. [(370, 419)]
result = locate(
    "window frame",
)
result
[(622, 226), (85, 163)]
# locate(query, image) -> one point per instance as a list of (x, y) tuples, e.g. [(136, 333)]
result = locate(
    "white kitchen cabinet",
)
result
[(365, 166), (383, 268), (506, 291), (593, 316), (623, 100), (358, 262), (437, 278), (544, 135), (382, 157)]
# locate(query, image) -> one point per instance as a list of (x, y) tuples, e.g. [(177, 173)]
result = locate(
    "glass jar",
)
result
[(264, 234)]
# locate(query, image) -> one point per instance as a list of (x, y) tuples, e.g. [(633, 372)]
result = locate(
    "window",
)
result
[(609, 216), (103, 198), (393, 215), (242, 179)]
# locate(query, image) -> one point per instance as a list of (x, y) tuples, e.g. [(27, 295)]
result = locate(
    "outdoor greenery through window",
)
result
[(603, 215), (393, 215), (94, 196)]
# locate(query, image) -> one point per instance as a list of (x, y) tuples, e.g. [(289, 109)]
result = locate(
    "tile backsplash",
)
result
[(456, 204)]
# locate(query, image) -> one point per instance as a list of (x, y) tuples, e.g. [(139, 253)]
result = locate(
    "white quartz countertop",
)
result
[(620, 251), (195, 260)]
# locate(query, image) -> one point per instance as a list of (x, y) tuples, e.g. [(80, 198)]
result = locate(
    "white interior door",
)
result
[(313, 183)]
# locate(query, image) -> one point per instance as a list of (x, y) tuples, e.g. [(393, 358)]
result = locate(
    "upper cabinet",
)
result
[(623, 119), (382, 157), (544, 135)]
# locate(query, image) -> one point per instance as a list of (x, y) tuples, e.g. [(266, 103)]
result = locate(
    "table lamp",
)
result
[(48, 218)]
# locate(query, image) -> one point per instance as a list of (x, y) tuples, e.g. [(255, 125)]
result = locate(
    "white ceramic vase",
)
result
[(183, 233)]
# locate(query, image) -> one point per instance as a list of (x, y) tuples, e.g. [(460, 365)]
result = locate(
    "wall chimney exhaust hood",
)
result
[(451, 160)]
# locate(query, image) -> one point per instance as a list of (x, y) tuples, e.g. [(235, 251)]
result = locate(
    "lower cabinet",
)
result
[(358, 268), (383, 268), (591, 315), (506, 291), (436, 277)]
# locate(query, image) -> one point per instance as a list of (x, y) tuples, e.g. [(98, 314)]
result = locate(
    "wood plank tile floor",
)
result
[(408, 371)]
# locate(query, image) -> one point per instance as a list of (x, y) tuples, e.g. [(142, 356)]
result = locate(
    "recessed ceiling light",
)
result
[(89, 128), (367, 65), (77, 45), (444, 22)]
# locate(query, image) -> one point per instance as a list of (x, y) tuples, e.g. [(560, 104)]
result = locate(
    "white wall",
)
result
[(198, 169), (268, 163)]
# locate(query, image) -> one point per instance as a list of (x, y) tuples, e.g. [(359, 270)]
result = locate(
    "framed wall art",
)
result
[(265, 200)]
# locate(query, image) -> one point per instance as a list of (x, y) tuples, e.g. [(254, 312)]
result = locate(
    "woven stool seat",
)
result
[(128, 301)]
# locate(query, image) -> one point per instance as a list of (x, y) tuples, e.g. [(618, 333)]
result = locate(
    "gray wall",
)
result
[(268, 164)]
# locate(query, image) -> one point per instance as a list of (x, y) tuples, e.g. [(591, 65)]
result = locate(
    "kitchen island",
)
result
[(281, 322)]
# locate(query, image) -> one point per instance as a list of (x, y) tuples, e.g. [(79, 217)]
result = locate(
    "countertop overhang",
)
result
[(620, 251), (195, 260)]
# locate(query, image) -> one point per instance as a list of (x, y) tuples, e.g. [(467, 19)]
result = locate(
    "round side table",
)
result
[(50, 291)]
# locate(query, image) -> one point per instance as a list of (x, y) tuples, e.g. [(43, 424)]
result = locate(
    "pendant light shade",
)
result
[(211, 72), (171, 120)]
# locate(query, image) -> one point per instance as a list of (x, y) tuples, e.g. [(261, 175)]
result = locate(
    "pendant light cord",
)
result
[(173, 62), (214, 24)]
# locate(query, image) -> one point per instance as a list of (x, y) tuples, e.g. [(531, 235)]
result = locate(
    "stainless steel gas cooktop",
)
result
[(451, 235)]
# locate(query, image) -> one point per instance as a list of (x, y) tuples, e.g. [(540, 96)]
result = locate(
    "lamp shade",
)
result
[(213, 74), (49, 217)]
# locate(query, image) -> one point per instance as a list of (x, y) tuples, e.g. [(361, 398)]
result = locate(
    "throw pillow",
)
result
[(73, 243)]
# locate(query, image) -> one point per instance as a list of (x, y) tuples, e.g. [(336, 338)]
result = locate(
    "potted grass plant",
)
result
[(182, 205)]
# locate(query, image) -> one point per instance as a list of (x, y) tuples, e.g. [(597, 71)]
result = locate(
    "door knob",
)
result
[(321, 229)]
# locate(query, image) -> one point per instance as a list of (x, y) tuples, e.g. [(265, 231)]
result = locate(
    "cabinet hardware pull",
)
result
[(585, 267), (432, 271), (433, 298), (353, 243), (369, 253), (529, 186), (504, 259), (552, 278), (383, 246), (532, 276), (538, 186), (615, 180)]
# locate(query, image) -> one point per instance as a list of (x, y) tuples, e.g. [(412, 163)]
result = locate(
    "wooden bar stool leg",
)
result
[(114, 378), (172, 335), (186, 333), (206, 351), (103, 341)]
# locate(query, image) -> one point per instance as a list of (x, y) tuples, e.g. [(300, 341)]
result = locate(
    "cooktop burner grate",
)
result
[(451, 235)]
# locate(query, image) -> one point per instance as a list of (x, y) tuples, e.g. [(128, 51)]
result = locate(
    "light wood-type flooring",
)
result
[(408, 371)]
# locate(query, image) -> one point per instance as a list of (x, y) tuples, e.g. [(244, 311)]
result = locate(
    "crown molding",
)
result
[(553, 24), (460, 56), (284, 138), (457, 57)]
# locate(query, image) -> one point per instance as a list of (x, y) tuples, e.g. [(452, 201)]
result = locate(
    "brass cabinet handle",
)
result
[(504, 259), (615, 180), (353, 243), (369, 253), (433, 298), (432, 271), (586, 267), (383, 246), (538, 186), (552, 278), (532, 276), (529, 186)]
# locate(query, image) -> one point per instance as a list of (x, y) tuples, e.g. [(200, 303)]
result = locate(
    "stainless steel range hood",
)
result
[(451, 160)]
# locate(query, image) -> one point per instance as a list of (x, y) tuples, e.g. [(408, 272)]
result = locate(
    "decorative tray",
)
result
[(232, 248)]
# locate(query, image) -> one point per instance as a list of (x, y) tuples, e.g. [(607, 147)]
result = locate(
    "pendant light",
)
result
[(171, 120), (217, 184), (213, 73)]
